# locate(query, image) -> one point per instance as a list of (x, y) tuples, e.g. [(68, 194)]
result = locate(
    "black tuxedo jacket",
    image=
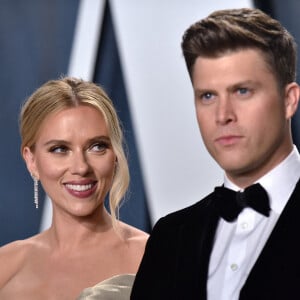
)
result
[(175, 263)]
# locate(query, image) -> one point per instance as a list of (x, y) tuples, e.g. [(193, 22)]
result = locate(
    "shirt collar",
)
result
[(279, 182)]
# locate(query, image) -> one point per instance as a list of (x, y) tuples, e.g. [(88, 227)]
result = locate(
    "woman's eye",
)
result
[(58, 149), (99, 147)]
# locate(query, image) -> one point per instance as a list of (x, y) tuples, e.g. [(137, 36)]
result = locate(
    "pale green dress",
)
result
[(115, 288)]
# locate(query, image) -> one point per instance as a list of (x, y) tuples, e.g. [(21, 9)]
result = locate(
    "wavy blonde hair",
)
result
[(67, 92)]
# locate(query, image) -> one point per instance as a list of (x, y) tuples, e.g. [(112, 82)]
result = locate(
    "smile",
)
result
[(81, 190), (79, 187)]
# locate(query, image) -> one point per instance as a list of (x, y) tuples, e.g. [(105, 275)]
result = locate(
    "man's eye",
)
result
[(243, 91), (207, 96)]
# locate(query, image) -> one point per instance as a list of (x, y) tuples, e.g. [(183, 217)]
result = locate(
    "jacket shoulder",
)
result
[(190, 214)]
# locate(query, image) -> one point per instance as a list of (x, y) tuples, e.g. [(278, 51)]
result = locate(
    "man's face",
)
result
[(243, 119)]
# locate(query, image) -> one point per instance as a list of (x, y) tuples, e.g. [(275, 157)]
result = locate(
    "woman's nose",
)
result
[(79, 163)]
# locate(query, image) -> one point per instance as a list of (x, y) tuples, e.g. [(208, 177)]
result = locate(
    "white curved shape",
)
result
[(176, 167)]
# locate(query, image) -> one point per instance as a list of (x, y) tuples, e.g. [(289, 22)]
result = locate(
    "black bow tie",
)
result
[(230, 203)]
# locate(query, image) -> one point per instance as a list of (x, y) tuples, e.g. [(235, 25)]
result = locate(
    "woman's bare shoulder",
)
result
[(134, 235), (13, 257)]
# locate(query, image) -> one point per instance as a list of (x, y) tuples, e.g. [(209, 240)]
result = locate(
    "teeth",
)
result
[(79, 187)]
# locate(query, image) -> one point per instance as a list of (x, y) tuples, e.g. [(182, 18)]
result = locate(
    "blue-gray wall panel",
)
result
[(35, 43)]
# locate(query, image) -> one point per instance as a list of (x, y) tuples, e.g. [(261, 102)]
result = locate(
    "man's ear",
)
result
[(292, 94), (29, 158)]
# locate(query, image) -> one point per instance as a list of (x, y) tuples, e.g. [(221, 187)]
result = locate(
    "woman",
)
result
[(72, 144)]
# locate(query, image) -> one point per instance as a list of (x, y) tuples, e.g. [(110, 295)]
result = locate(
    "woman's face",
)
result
[(74, 160)]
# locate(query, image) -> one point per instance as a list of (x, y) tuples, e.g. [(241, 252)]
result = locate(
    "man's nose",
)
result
[(225, 112)]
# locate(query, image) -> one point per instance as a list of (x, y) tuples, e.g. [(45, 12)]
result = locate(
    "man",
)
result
[(242, 67)]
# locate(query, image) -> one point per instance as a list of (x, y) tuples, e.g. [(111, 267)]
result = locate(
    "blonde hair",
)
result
[(57, 95)]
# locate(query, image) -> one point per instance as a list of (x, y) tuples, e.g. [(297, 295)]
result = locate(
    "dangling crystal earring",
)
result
[(35, 191)]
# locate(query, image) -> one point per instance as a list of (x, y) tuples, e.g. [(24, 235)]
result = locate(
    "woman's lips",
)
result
[(81, 190)]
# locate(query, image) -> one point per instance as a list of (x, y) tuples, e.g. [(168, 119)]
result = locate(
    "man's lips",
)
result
[(228, 140)]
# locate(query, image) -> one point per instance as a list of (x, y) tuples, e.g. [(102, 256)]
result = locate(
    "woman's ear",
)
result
[(29, 158), (292, 93)]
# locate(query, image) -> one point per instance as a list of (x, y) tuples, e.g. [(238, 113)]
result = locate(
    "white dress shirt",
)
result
[(239, 243)]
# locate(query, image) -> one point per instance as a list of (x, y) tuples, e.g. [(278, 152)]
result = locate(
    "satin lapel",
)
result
[(196, 239), (279, 260)]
